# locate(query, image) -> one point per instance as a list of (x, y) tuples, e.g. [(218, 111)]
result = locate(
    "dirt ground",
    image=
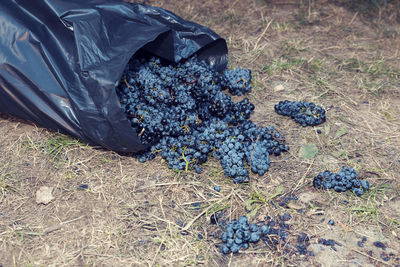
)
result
[(345, 57)]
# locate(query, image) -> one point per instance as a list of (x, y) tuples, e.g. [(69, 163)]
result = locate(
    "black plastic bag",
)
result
[(60, 61)]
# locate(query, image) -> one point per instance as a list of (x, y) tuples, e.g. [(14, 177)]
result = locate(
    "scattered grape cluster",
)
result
[(345, 179), (183, 113), (303, 113), (239, 234)]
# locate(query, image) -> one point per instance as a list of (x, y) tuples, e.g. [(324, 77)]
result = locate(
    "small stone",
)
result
[(279, 88), (44, 195)]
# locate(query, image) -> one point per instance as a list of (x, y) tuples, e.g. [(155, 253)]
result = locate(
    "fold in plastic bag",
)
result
[(60, 61)]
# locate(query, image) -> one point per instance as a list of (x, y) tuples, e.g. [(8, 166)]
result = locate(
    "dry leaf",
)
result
[(44, 195)]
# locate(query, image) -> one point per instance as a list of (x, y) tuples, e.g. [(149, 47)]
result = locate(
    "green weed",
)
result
[(291, 48), (58, 144), (377, 68), (371, 200), (283, 64), (321, 82), (368, 211), (373, 87), (281, 26)]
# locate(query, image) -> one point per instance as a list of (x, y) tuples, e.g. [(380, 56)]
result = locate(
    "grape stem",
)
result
[(141, 132), (187, 162), (127, 84)]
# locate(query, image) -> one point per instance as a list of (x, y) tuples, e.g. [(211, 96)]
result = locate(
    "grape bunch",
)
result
[(303, 113), (239, 234), (238, 81), (345, 179), (183, 113)]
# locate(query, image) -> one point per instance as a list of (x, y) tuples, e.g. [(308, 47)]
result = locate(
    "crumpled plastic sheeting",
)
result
[(61, 60)]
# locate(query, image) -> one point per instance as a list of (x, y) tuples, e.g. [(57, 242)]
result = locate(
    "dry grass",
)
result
[(137, 214)]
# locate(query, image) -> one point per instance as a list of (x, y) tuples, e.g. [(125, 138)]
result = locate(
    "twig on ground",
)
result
[(366, 255), (51, 229), (202, 213), (262, 34)]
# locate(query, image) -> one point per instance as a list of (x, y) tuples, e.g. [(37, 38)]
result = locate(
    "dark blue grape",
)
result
[(264, 230), (379, 244), (246, 235), (224, 237), (235, 248), (303, 113), (243, 220), (253, 227), (302, 249), (225, 249), (238, 240), (254, 237), (229, 242)]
